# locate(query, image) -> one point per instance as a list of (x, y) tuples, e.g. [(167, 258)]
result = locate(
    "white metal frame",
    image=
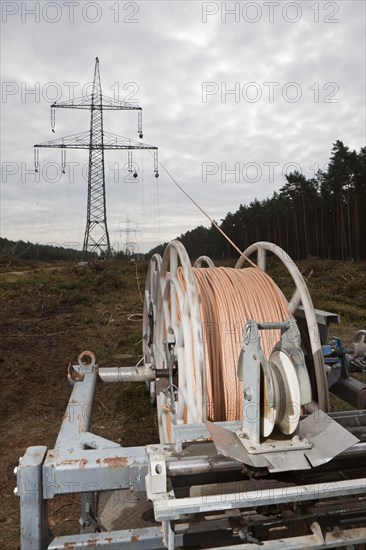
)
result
[(301, 295), (179, 318)]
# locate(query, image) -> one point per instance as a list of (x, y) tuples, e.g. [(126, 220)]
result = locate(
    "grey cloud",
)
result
[(169, 54)]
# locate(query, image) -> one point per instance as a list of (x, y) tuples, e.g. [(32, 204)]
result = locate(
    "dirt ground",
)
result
[(52, 312)]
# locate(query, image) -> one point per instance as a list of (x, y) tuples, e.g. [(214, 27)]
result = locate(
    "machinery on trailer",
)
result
[(248, 452)]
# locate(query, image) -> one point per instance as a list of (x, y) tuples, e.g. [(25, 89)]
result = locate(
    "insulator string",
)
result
[(36, 159), (156, 163), (129, 161), (63, 160), (53, 119), (139, 124)]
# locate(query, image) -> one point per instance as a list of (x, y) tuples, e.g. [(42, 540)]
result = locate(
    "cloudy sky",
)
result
[(234, 94)]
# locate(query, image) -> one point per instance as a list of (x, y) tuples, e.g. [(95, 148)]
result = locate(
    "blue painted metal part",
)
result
[(334, 354)]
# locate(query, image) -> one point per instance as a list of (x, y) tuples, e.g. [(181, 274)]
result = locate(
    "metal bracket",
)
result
[(271, 445), (312, 446), (321, 439), (156, 478), (252, 363)]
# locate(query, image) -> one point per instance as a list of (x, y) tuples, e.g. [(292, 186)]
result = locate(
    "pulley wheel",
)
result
[(287, 389)]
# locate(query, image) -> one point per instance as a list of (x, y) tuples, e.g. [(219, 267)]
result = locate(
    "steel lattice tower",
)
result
[(96, 237), (96, 231)]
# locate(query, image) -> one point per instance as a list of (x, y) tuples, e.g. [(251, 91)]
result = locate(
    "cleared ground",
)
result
[(52, 312)]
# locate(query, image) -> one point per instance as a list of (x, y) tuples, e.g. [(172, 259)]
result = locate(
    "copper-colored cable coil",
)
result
[(228, 298)]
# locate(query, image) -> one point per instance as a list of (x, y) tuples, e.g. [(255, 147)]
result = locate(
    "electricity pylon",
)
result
[(130, 245), (96, 237)]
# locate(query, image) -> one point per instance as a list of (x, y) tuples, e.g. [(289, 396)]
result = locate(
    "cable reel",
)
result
[(301, 296), (185, 377), (203, 260), (149, 316), (179, 331)]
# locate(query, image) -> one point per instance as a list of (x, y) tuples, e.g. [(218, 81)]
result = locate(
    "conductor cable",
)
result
[(228, 298), (208, 216)]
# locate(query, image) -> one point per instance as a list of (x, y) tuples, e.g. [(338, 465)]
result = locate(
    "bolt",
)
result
[(16, 491), (252, 448), (273, 446), (138, 478), (242, 435), (254, 357), (248, 394)]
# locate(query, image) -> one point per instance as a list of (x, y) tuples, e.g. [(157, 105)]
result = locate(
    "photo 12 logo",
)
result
[(53, 172), (51, 92), (253, 172), (270, 92), (271, 12), (71, 12)]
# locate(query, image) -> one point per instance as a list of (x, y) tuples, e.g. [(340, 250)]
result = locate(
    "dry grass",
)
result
[(51, 312)]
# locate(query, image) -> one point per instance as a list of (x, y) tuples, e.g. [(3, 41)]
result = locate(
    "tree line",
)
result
[(42, 252), (10, 250), (324, 216)]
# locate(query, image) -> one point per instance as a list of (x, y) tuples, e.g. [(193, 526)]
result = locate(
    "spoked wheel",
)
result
[(203, 260), (301, 296), (149, 317), (179, 336)]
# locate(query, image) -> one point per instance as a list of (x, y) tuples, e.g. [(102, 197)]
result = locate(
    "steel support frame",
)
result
[(315, 541), (171, 509), (105, 469), (71, 468), (33, 507), (89, 470), (139, 539), (151, 539)]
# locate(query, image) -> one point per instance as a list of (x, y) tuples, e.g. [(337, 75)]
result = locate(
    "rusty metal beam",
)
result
[(139, 539), (81, 471)]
